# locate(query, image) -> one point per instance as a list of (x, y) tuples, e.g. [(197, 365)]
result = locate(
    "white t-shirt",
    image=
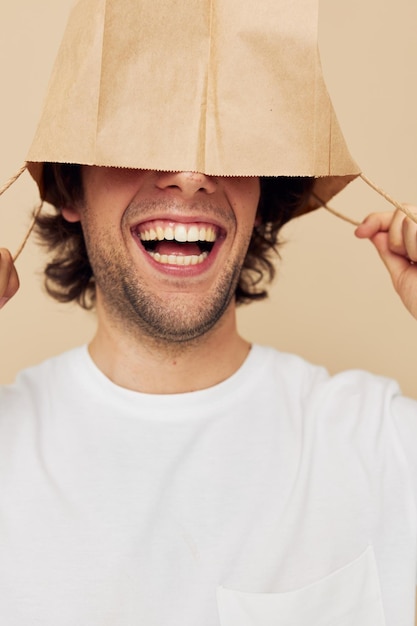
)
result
[(280, 497)]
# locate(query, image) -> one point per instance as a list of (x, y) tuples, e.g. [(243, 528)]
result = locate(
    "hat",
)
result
[(222, 87)]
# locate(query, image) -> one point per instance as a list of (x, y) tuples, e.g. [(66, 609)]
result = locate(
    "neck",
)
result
[(144, 365)]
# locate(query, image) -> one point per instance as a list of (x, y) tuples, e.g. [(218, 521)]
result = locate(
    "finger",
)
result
[(386, 221), (9, 281), (5, 270), (403, 234), (400, 231), (396, 234), (374, 223), (409, 235), (396, 264)]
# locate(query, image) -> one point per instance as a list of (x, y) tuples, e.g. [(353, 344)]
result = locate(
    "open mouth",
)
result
[(176, 243)]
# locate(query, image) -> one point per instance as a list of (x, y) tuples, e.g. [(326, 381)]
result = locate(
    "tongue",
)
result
[(172, 247)]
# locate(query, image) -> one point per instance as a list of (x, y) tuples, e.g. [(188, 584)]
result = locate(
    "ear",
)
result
[(71, 214)]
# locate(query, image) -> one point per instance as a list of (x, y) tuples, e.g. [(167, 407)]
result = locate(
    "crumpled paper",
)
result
[(224, 87)]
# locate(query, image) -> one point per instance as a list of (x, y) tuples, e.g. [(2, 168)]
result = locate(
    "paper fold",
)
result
[(221, 87)]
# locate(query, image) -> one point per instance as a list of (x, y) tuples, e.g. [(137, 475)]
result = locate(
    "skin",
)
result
[(207, 348), (9, 281), (395, 238), (165, 330)]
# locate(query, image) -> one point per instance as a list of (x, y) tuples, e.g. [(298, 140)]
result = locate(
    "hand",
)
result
[(394, 235), (9, 281)]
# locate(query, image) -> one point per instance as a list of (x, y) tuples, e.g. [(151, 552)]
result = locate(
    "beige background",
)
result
[(332, 302)]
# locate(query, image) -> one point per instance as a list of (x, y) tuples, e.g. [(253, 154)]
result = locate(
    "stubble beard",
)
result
[(178, 321), (141, 312)]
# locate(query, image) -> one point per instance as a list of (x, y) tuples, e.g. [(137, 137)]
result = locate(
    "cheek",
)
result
[(246, 195), (117, 184), (108, 192), (246, 209)]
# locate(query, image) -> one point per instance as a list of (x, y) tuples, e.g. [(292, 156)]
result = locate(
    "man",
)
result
[(171, 473)]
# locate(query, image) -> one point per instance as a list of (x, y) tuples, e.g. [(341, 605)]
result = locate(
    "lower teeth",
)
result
[(178, 259)]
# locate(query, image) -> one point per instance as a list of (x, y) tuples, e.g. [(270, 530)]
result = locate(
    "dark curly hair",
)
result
[(69, 277)]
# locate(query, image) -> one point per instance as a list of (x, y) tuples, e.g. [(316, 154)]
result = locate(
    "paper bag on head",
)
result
[(223, 87)]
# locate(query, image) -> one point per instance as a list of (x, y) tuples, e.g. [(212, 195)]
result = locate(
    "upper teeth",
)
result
[(178, 232)]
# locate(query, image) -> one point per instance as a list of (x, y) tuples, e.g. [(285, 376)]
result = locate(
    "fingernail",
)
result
[(3, 301)]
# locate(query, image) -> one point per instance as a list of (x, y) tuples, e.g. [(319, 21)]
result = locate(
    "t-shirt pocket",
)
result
[(348, 597)]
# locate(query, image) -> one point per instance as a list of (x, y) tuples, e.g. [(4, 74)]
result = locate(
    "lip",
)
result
[(181, 270), (181, 219)]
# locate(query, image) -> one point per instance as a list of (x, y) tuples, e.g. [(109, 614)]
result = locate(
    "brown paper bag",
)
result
[(224, 87)]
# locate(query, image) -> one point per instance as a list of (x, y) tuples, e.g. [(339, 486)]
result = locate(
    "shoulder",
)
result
[(316, 383), (352, 399), (33, 384)]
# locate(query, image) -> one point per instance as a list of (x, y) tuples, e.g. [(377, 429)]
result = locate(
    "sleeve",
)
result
[(405, 418)]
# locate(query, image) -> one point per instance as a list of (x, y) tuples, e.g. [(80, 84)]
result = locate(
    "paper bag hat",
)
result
[(223, 87)]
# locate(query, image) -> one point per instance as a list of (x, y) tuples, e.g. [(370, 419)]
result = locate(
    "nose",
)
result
[(188, 183)]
